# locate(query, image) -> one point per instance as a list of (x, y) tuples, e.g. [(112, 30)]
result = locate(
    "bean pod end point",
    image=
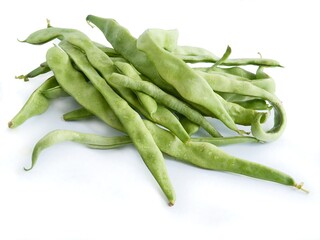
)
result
[(10, 124), (300, 187)]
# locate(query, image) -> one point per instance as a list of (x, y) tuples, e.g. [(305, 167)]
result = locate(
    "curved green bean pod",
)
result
[(201, 154), (191, 86), (266, 83), (221, 60), (129, 118), (208, 156), (126, 45), (165, 99), (68, 78), (35, 105), (195, 55), (58, 136), (242, 115), (223, 84), (162, 115)]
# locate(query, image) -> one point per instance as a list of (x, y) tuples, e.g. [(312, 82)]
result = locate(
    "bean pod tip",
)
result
[(300, 187), (10, 124)]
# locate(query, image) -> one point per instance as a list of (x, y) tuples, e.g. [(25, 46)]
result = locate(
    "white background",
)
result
[(75, 193)]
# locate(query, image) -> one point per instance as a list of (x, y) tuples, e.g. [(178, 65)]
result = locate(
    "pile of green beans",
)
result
[(148, 89)]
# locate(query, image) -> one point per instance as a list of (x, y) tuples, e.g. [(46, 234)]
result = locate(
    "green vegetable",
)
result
[(147, 88)]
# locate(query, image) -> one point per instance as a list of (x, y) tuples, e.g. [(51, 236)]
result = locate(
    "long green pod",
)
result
[(125, 44), (129, 118), (74, 83), (191, 54), (266, 83), (239, 114), (208, 156), (35, 105), (58, 136), (165, 99), (223, 84), (190, 85), (162, 115)]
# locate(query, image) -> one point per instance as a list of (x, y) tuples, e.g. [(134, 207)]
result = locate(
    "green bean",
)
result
[(130, 119), (58, 136), (165, 99), (267, 83), (74, 83), (208, 156), (80, 113), (35, 105), (43, 68), (162, 115), (223, 84), (260, 74), (241, 115), (221, 60), (147, 89), (195, 55), (201, 154), (126, 45), (191, 86)]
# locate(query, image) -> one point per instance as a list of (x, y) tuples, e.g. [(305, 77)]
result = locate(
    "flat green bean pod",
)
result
[(37, 104), (191, 86), (126, 45), (165, 99), (129, 118), (74, 83), (224, 84), (208, 156), (58, 136), (191, 54)]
